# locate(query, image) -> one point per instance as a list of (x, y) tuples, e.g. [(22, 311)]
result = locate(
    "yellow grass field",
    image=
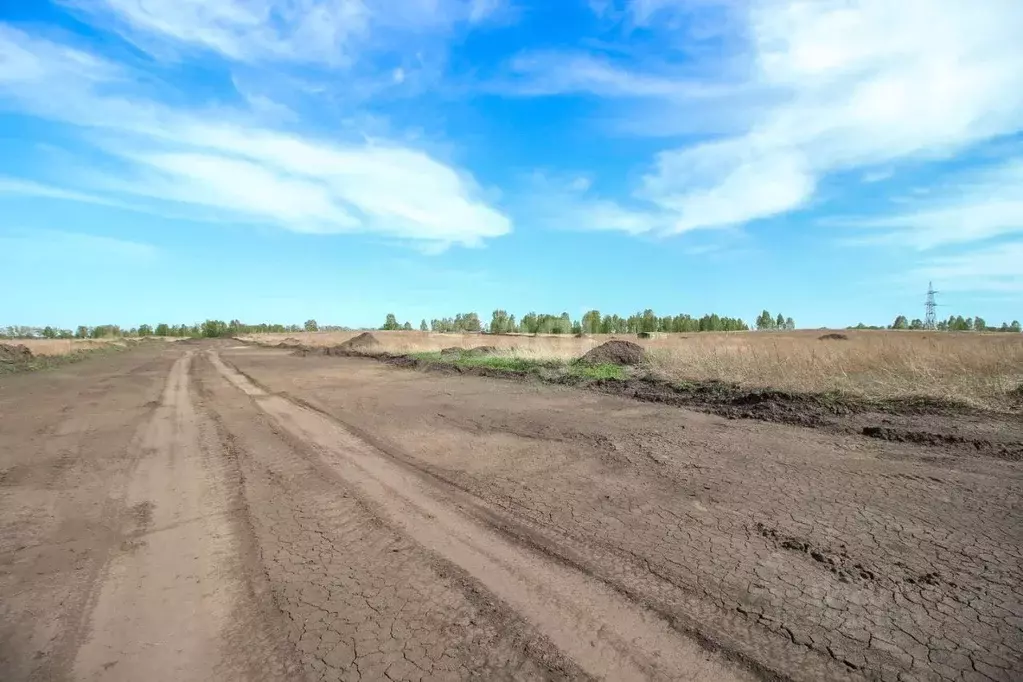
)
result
[(980, 369), (62, 346)]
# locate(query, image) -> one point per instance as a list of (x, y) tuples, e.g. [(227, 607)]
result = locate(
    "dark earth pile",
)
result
[(833, 336), (363, 342), (360, 342), (14, 353), (615, 352)]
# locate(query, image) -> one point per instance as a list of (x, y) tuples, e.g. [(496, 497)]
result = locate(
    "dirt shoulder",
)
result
[(921, 420), (803, 553)]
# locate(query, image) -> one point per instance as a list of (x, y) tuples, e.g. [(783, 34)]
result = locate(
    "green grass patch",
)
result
[(605, 371), (548, 369)]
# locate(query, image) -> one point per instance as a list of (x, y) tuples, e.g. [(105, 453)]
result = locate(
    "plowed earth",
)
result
[(214, 512)]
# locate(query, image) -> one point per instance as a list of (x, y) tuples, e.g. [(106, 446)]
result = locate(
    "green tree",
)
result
[(82, 332), (311, 326), (145, 330), (779, 323), (213, 329), (390, 323), (765, 321), (423, 327), (66, 334), (49, 333), (979, 325), (917, 323), (591, 322), (499, 322), (900, 322), (407, 326), (163, 330), (1014, 327)]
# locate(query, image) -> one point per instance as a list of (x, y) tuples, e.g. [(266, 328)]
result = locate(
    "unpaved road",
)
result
[(213, 512)]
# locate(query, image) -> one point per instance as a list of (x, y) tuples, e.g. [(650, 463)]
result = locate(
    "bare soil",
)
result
[(11, 353), (615, 352), (212, 512)]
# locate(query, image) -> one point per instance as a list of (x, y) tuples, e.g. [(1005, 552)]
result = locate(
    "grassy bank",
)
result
[(544, 368)]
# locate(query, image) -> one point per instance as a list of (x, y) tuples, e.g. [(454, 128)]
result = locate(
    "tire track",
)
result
[(607, 635), (170, 599)]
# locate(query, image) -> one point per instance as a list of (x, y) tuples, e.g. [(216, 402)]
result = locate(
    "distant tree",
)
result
[(311, 326), (979, 325), (779, 323), (66, 334), (145, 330), (765, 321), (82, 332), (900, 322), (499, 322), (407, 326), (1014, 327), (163, 330), (591, 322), (790, 323), (49, 333), (917, 323), (213, 329), (391, 323), (1004, 327), (423, 327)]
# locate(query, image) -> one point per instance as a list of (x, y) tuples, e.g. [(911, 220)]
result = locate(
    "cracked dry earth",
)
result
[(213, 512)]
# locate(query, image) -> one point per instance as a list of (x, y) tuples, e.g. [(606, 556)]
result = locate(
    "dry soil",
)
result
[(216, 512)]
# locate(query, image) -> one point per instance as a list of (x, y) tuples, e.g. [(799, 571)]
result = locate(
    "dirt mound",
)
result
[(14, 353), (363, 341), (615, 352), (290, 342), (833, 336), (453, 350)]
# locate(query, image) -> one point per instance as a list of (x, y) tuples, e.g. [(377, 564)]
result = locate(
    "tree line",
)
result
[(592, 322), (955, 323), (207, 329)]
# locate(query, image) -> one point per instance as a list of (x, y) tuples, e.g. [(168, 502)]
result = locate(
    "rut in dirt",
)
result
[(606, 634)]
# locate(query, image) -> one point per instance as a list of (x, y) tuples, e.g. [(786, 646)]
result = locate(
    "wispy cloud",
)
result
[(239, 166), (55, 247), (838, 86), (971, 206), (328, 32), (992, 269)]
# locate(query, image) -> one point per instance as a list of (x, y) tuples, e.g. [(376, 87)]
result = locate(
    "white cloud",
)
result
[(972, 207), (993, 269), (537, 73), (245, 30), (837, 85), (330, 32), (241, 168)]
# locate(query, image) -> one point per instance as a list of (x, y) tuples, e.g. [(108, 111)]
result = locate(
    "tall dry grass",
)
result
[(980, 369), (61, 346)]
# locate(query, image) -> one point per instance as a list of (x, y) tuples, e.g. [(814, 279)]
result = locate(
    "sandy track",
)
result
[(602, 631), (206, 512)]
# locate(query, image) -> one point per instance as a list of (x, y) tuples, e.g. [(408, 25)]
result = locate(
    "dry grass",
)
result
[(980, 369), (61, 346)]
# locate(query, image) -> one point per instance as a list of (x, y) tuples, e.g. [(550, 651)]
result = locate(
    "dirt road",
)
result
[(213, 512)]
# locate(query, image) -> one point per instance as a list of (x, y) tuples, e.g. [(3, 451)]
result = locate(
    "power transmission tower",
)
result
[(931, 307)]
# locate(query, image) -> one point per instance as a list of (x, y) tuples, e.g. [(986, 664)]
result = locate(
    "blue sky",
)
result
[(279, 160)]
